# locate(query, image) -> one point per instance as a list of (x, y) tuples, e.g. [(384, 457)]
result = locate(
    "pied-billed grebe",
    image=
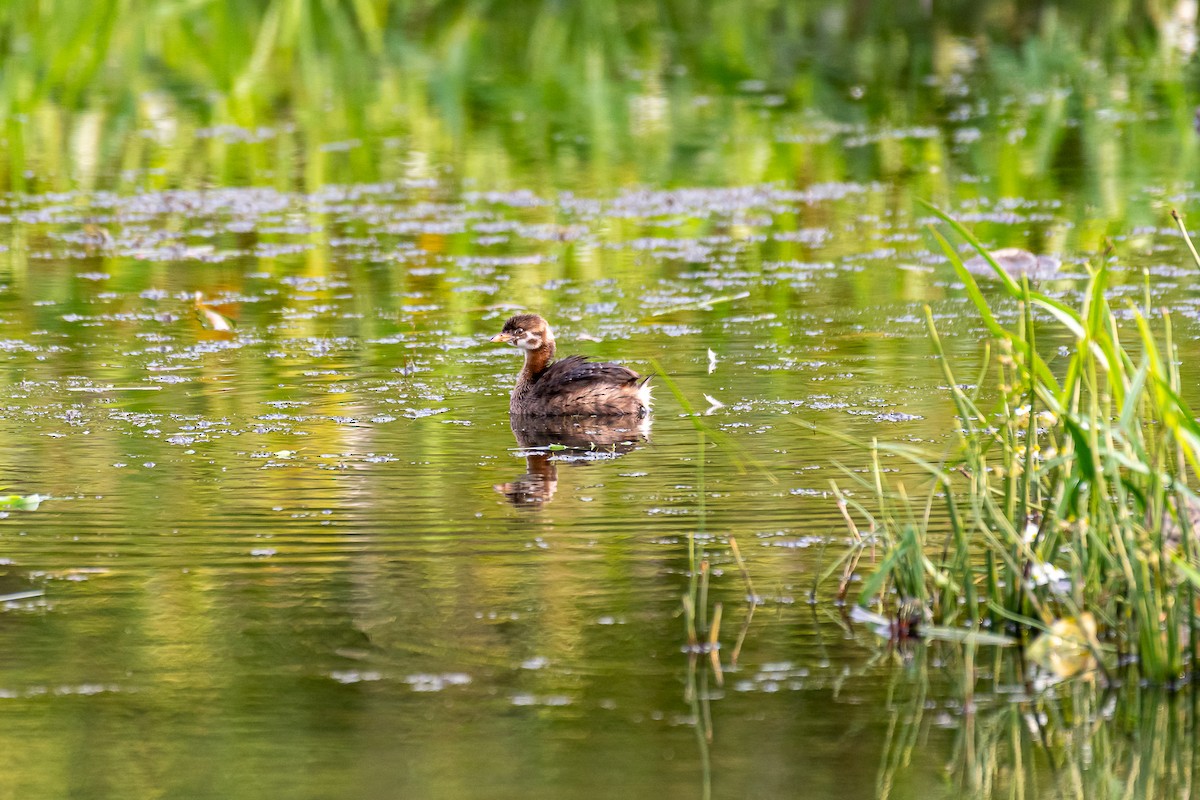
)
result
[(574, 385)]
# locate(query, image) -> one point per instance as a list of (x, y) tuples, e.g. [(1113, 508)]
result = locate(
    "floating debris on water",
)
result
[(1016, 262)]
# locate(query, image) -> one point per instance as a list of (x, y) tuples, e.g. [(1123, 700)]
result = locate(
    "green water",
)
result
[(308, 558)]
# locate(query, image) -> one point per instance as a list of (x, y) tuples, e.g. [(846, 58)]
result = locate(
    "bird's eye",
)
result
[(520, 331)]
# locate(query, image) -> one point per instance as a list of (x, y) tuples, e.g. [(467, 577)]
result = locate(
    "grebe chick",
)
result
[(571, 386)]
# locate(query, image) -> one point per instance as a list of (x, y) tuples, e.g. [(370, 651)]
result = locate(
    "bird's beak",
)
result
[(502, 338)]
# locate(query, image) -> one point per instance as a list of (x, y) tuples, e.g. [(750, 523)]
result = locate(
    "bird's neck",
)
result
[(537, 360)]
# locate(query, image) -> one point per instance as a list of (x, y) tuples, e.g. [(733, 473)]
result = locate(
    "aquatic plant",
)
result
[(1067, 740), (1064, 498)]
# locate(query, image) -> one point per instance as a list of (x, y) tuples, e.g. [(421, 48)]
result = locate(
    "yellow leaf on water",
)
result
[(216, 321), (211, 318), (1068, 648)]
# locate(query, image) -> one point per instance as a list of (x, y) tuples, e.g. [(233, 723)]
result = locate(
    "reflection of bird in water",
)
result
[(1016, 262), (536, 486), (583, 437), (570, 386)]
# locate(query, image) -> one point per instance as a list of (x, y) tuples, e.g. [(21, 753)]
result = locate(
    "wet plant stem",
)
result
[(1071, 494)]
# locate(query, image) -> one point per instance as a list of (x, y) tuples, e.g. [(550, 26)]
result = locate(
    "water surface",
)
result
[(308, 556)]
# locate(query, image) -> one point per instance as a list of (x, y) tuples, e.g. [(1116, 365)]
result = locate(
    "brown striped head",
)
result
[(529, 332)]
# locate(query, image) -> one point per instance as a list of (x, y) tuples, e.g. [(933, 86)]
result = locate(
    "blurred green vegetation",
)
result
[(299, 93)]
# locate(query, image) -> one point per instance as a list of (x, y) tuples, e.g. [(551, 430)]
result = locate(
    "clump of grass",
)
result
[(1068, 497)]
